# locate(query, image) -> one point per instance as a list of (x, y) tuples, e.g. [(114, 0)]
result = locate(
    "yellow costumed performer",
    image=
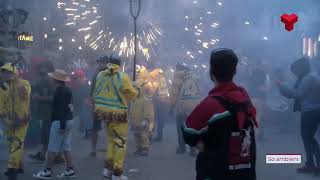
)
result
[(160, 100), (142, 113), (14, 113), (112, 94), (184, 97)]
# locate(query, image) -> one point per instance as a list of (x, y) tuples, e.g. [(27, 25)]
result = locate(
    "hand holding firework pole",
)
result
[(135, 7)]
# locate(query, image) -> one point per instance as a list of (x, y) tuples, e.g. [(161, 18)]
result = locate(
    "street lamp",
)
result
[(135, 7), (13, 19)]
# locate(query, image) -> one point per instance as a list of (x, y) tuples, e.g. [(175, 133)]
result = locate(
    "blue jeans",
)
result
[(59, 142)]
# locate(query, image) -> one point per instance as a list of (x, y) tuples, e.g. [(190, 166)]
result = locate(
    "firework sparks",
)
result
[(86, 17), (201, 29)]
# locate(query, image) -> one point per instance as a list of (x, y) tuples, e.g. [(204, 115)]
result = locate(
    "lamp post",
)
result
[(135, 8), (13, 18)]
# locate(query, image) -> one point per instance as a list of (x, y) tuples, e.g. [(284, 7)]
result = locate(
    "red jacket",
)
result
[(210, 123), (210, 107)]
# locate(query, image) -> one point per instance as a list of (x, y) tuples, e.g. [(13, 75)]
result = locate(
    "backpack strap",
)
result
[(233, 108)]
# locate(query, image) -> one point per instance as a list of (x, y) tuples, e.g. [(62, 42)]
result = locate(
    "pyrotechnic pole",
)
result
[(10, 18), (135, 14)]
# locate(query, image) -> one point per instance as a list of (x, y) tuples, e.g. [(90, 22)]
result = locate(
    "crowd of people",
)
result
[(221, 129)]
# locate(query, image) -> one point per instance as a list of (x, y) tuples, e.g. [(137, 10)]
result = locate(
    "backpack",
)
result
[(241, 145)]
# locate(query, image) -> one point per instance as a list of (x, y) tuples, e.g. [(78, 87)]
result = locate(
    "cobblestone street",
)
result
[(164, 164)]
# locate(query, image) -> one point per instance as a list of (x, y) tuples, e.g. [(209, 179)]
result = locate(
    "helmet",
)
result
[(103, 59), (115, 59), (182, 67)]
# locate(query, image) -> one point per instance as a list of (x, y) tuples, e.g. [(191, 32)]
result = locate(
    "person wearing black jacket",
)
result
[(43, 96), (60, 132)]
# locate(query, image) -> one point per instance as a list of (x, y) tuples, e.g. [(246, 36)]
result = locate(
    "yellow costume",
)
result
[(113, 91), (159, 83), (184, 97), (160, 100), (185, 93), (14, 112), (142, 120), (142, 113)]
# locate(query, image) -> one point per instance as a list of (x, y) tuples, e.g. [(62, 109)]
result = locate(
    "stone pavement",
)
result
[(164, 164)]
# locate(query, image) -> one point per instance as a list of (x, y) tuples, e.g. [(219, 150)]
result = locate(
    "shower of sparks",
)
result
[(71, 23), (85, 16), (201, 27), (125, 46)]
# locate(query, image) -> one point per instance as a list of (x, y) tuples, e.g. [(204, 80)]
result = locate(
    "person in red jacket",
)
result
[(222, 125)]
